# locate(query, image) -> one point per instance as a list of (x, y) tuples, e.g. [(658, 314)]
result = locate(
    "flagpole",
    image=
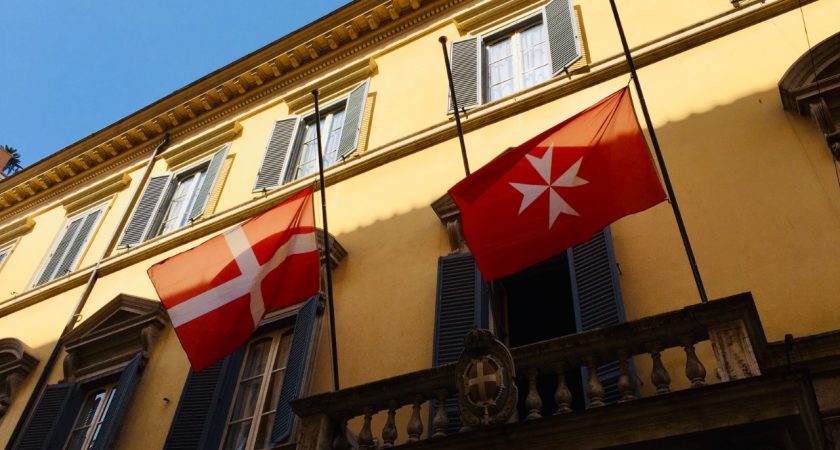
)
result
[(442, 40), (665, 178), (328, 262)]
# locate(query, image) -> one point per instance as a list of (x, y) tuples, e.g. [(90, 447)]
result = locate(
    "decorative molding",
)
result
[(16, 362), (488, 14), (337, 251), (602, 71), (180, 155), (98, 192), (107, 341), (800, 85), (449, 214), (733, 351), (333, 85), (16, 229)]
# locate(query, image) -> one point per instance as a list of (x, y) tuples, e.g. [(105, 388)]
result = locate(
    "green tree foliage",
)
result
[(13, 165)]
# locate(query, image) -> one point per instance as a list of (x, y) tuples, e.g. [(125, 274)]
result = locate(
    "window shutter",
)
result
[(597, 297), (563, 35), (465, 58), (60, 250), (120, 402), (209, 182), (148, 205), (275, 154), (462, 304), (3, 255), (353, 113), (78, 244), (200, 418), (295, 368), (52, 419)]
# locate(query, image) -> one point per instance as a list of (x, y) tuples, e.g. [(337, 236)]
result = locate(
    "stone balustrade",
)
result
[(731, 324)]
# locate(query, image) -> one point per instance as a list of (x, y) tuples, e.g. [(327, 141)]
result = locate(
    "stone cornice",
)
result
[(479, 117), (313, 48)]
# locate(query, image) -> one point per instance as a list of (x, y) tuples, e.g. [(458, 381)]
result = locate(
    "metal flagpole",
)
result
[(665, 178), (94, 276), (326, 241), (455, 105)]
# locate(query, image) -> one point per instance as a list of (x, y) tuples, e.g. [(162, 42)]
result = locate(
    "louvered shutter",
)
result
[(52, 419), (563, 34), (77, 244), (200, 418), (209, 181), (352, 120), (120, 402), (3, 256), (276, 152), (295, 368), (465, 58), (60, 250), (148, 205), (462, 304), (597, 297)]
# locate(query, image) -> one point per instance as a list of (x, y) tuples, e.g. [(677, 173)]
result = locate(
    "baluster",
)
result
[(694, 369), (562, 396), (365, 435), (594, 387), (415, 424), (340, 440), (533, 402), (389, 431), (625, 383), (659, 375), (440, 421)]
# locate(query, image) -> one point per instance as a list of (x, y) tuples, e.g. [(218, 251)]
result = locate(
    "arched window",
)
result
[(811, 87)]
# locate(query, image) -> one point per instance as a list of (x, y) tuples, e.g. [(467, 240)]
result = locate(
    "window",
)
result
[(69, 246), (517, 61), (490, 67), (4, 254), (258, 392), (307, 153), (93, 413), (291, 152), (170, 202)]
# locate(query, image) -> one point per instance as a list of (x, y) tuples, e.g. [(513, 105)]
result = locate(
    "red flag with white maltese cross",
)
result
[(217, 293), (558, 189)]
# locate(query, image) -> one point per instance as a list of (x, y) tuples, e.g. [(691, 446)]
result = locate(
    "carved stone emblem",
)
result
[(487, 393)]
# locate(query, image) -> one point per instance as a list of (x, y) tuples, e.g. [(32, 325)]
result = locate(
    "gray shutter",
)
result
[(465, 58), (597, 296), (3, 256), (275, 154), (126, 386), (209, 181), (146, 209), (56, 257), (563, 35), (51, 421), (284, 419), (77, 245), (462, 304), (200, 418), (353, 113)]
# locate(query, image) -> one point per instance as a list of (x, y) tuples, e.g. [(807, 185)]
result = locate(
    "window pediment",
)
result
[(330, 87), (181, 155), (16, 229), (94, 194), (16, 362), (106, 342)]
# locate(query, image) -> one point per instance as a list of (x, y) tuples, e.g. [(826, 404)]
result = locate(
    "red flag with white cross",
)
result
[(217, 293), (558, 189)]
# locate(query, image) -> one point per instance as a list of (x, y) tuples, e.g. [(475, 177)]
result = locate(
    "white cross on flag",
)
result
[(218, 292)]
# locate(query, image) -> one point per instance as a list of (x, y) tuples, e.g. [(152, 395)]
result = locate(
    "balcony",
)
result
[(748, 400)]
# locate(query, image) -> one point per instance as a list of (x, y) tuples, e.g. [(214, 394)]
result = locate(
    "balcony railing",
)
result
[(731, 324)]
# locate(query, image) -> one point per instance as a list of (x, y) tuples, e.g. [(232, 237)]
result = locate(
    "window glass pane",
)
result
[(89, 408), (273, 392), (535, 59), (500, 68), (77, 439), (95, 435), (257, 358), (177, 205), (246, 399), (283, 351), (333, 138), (308, 159), (264, 431), (237, 437)]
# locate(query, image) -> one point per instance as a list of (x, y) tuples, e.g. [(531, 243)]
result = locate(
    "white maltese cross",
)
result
[(556, 204)]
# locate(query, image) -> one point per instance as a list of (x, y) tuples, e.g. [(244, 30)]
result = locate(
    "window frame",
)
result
[(292, 162), (102, 209), (278, 334), (512, 30)]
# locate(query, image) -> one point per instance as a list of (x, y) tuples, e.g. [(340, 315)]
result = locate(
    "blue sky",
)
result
[(70, 68)]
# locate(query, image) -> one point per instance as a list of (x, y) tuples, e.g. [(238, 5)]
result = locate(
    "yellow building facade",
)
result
[(745, 105)]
